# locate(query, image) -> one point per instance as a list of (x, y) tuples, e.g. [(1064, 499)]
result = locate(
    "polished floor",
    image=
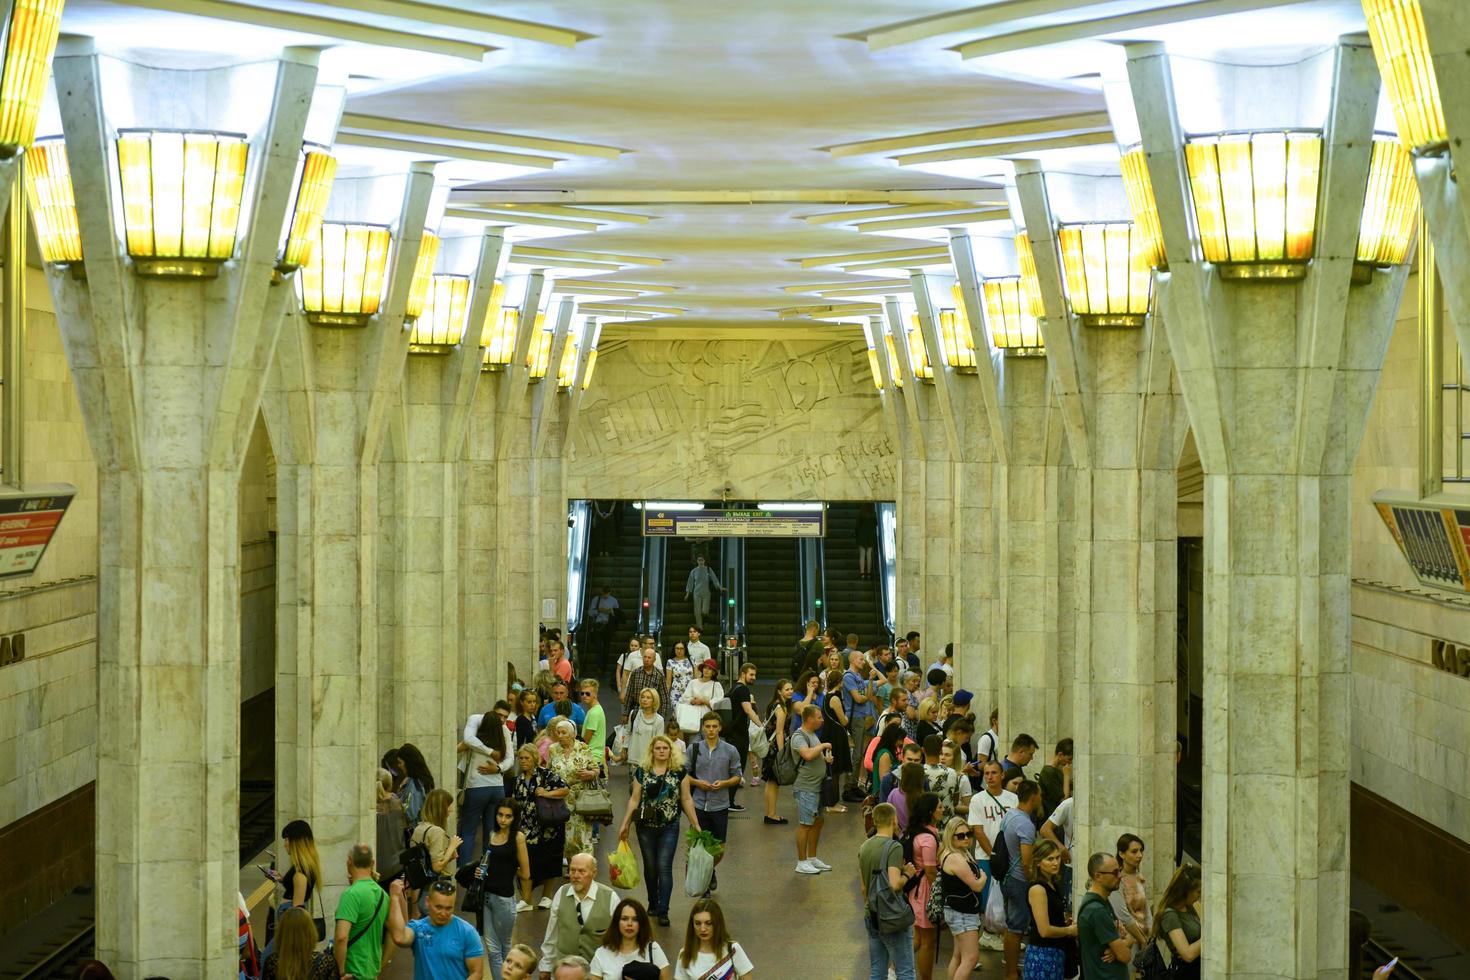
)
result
[(791, 925)]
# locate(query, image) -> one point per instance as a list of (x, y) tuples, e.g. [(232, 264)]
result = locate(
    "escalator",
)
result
[(852, 602), (679, 611), (773, 619), (615, 558)]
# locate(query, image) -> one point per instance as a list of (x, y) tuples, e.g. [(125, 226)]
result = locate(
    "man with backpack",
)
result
[(358, 942), (1017, 837), (887, 916)]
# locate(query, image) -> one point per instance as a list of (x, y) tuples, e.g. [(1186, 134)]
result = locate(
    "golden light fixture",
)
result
[(500, 344), (1014, 329), (30, 41), (1401, 46), (440, 327), (53, 202), (566, 371), (1105, 269), (423, 276), (918, 350), (1140, 190), (1255, 200), (1390, 208), (1029, 279), (181, 195), (315, 172), (342, 281), (538, 358), (891, 349), (591, 356), (955, 335), (872, 347)]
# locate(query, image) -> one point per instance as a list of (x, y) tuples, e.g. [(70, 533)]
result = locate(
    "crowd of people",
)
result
[(964, 835)]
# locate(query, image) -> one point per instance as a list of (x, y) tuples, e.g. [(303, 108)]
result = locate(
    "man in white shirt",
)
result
[(580, 913), (1058, 830), (987, 807), (698, 652)]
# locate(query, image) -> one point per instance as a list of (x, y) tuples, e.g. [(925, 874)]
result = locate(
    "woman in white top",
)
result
[(646, 723), (628, 939), (703, 692), (708, 951), (487, 754)]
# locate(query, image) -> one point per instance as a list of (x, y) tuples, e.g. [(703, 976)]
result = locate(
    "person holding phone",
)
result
[(1177, 923)]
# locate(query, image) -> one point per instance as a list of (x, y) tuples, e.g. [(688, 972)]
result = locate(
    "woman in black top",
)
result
[(505, 863), (1052, 937), (525, 720), (834, 730)]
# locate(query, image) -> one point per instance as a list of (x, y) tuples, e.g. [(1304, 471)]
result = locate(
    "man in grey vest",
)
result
[(701, 584), (580, 914)]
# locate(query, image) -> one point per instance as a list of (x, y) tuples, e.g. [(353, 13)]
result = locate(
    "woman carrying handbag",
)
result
[(541, 795)]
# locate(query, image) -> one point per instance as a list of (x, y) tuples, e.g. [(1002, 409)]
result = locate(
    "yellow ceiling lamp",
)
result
[(440, 327), (538, 358), (500, 336), (872, 355), (890, 348), (423, 276), (1013, 325), (1145, 208), (918, 350), (596, 328), (1255, 201), (315, 173), (342, 281), (566, 371), (955, 335), (181, 195), (1402, 48), (30, 41), (1106, 273), (1030, 281), (53, 203), (1390, 209)]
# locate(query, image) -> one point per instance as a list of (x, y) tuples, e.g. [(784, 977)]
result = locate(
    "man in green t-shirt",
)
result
[(361, 912), (884, 949), (594, 726), (1105, 949)]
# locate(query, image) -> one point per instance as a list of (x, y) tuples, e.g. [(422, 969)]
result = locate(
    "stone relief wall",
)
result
[(1411, 718), (769, 418)]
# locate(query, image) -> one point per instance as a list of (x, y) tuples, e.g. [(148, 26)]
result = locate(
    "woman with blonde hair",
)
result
[(962, 882), (520, 963), (295, 956), (1052, 940), (545, 838), (660, 792), (928, 724), (644, 725), (574, 761), (432, 831)]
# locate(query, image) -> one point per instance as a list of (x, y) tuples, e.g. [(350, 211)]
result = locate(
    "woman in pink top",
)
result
[(923, 845)]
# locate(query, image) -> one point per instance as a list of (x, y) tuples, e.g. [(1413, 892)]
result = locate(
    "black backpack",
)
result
[(1000, 855), (418, 866)]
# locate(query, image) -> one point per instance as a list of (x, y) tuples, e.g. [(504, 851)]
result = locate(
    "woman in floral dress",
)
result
[(577, 765), (681, 672), (544, 841)]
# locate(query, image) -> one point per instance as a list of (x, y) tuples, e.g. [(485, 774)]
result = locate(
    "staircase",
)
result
[(679, 611), (773, 619), (852, 602), (622, 569)]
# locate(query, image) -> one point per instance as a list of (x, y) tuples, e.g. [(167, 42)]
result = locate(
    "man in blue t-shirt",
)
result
[(445, 947), (560, 695), (1019, 828), (858, 692)]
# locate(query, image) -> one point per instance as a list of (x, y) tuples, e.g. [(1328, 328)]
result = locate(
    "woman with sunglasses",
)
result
[(962, 881)]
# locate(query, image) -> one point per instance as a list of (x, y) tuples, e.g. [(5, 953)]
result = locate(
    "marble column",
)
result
[(326, 405), (963, 544), (1115, 390), (168, 374), (1277, 379)]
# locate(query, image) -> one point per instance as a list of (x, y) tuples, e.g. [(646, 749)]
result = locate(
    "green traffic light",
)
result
[(731, 601), (819, 602)]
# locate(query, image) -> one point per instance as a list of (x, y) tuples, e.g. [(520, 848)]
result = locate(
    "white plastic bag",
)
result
[(699, 869), (759, 744), (619, 743), (994, 919)]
